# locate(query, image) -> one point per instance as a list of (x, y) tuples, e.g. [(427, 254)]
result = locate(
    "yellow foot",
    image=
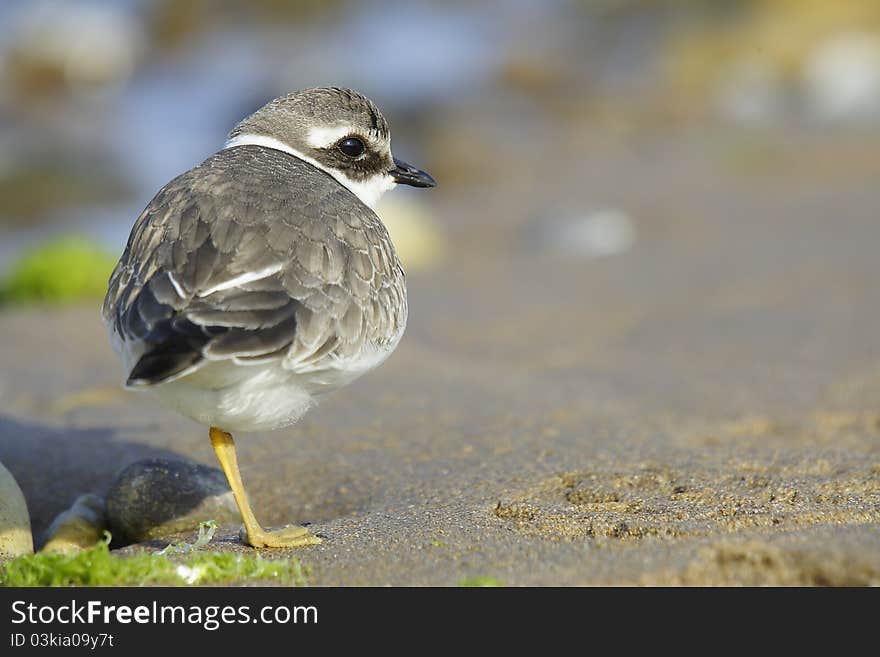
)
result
[(286, 537)]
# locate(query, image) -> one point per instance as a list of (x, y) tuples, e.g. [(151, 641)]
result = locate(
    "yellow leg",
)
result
[(291, 536)]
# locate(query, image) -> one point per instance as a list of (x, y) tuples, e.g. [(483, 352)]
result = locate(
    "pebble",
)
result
[(79, 528), (419, 242), (841, 77), (156, 497), (585, 234), (15, 522)]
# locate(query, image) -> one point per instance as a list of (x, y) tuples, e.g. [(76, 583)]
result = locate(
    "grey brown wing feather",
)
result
[(332, 267)]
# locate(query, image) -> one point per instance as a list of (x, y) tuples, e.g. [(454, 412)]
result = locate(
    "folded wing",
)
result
[(219, 269)]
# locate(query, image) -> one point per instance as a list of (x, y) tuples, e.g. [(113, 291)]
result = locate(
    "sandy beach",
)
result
[(701, 408)]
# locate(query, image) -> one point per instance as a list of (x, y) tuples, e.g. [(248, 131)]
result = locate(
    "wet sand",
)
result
[(703, 408)]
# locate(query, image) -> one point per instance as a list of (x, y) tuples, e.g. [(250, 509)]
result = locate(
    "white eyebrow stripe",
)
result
[(322, 137), (368, 191), (247, 277), (177, 287)]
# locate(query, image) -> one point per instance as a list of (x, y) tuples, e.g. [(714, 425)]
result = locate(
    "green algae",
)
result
[(97, 566), (206, 533), (61, 271), (487, 582)]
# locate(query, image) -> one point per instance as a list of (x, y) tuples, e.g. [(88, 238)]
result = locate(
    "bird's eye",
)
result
[(351, 146)]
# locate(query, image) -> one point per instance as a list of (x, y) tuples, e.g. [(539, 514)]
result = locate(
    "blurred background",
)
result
[(553, 127), (650, 264)]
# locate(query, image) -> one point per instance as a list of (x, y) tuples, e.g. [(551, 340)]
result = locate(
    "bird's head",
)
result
[(337, 130)]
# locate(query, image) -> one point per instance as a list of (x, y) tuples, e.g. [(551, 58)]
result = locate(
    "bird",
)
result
[(261, 279)]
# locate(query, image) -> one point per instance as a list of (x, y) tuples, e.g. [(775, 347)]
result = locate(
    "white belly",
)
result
[(263, 397)]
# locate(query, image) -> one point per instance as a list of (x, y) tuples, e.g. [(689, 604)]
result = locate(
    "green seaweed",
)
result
[(206, 533), (98, 567), (481, 582), (61, 271)]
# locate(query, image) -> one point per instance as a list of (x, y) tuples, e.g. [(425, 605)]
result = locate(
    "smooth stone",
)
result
[(15, 522), (420, 244), (79, 528), (154, 498)]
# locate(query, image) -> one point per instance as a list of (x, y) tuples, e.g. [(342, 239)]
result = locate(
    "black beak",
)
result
[(406, 174)]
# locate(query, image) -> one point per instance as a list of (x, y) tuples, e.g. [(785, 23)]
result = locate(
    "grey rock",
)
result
[(154, 498)]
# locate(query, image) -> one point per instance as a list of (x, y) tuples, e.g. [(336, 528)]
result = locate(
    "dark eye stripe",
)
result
[(351, 146)]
